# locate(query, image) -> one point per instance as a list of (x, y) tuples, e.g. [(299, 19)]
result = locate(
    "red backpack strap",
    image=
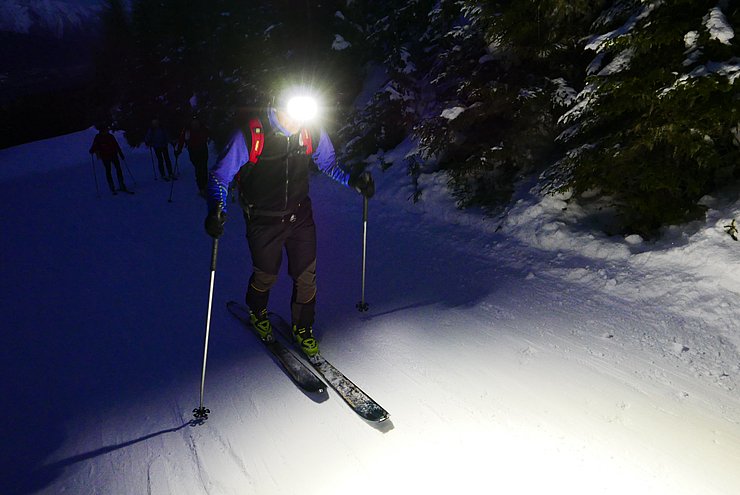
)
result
[(305, 140), (258, 139)]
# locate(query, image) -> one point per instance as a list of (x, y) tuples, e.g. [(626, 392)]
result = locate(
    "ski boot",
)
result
[(306, 341), (262, 324)]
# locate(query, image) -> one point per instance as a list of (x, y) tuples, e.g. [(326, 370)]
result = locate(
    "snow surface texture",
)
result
[(537, 359)]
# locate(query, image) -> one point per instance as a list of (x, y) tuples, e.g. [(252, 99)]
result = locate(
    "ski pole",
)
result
[(151, 154), (129, 171), (177, 172), (95, 176), (362, 305), (201, 413)]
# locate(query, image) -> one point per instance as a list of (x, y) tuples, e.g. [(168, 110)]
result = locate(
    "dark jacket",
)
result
[(156, 137), (106, 146), (278, 182), (194, 139)]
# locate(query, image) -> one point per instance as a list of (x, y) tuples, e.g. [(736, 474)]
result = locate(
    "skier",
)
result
[(195, 136), (270, 159), (106, 147), (156, 138)]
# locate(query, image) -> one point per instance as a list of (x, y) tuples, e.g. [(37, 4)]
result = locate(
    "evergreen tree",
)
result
[(653, 126)]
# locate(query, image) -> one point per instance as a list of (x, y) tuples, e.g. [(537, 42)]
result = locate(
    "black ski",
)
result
[(353, 395), (294, 367)]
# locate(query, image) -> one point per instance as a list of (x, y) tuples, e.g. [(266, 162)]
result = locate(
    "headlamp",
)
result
[(302, 108)]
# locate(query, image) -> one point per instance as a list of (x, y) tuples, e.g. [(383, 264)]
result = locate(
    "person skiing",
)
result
[(269, 159), (195, 136), (106, 147), (156, 138)]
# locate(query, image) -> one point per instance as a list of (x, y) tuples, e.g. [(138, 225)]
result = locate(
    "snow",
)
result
[(620, 63), (54, 16), (595, 64), (538, 357), (599, 42), (583, 102), (691, 40), (718, 26), (340, 43), (408, 65), (564, 95), (452, 113), (729, 69), (486, 59), (376, 78)]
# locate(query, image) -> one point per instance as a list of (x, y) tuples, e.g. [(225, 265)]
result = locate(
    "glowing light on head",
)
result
[(302, 108)]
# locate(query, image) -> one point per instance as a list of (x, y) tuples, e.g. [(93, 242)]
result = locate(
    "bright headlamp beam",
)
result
[(302, 108)]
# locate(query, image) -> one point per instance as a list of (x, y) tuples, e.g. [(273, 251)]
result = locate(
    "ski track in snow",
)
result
[(506, 366)]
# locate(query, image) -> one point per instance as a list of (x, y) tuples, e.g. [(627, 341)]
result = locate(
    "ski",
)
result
[(354, 396), (294, 367)]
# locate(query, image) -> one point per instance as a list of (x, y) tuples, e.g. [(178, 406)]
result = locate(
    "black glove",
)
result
[(363, 184), (215, 223)]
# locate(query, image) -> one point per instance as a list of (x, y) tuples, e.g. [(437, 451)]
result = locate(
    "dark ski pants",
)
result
[(199, 159), (163, 156), (267, 237), (109, 176)]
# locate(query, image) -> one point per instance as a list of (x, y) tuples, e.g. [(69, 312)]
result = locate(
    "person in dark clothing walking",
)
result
[(156, 138), (195, 137), (107, 148), (270, 158)]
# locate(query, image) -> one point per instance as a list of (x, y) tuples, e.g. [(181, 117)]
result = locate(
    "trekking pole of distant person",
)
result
[(362, 305), (129, 171), (154, 170), (177, 173), (95, 175), (201, 413)]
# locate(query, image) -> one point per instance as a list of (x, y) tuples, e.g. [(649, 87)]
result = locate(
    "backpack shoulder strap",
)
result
[(306, 140), (258, 139)]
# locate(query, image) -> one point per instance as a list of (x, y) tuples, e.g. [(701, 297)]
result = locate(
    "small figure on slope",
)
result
[(107, 149), (157, 139), (195, 137)]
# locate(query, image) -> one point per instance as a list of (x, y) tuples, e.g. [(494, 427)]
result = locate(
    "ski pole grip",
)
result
[(364, 209), (214, 255)]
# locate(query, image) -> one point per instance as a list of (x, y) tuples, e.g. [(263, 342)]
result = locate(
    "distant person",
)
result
[(195, 136), (157, 139), (108, 150)]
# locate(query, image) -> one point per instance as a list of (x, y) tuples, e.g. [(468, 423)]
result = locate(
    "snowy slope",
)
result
[(54, 17), (534, 358)]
